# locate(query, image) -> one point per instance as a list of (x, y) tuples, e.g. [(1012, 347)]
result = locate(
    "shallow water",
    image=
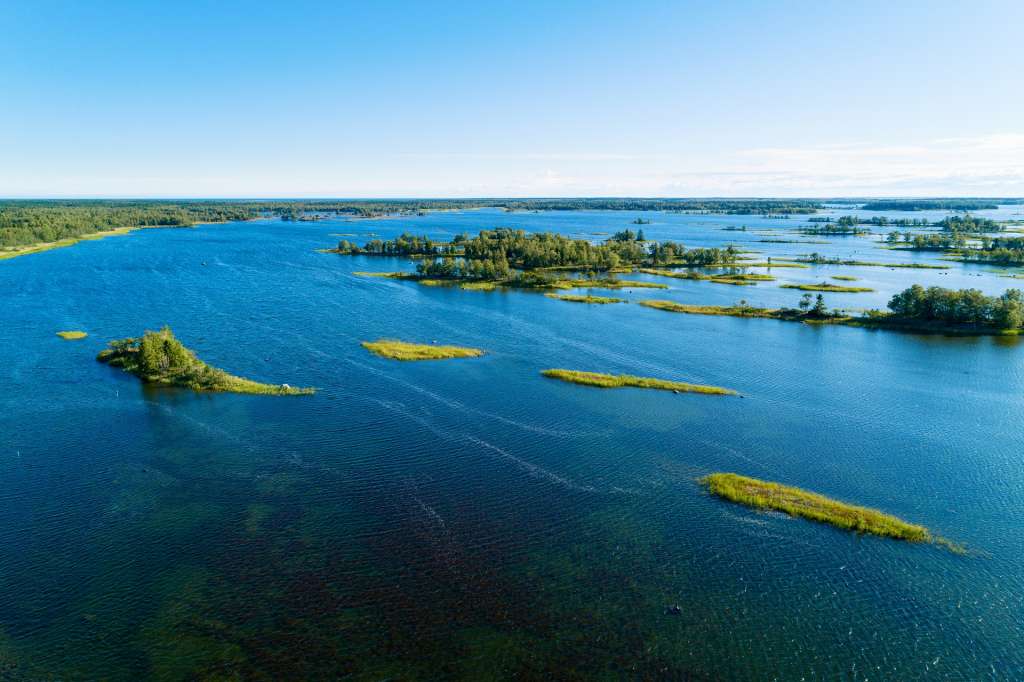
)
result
[(470, 518)]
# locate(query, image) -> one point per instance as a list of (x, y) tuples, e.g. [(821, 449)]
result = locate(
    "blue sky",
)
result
[(385, 99)]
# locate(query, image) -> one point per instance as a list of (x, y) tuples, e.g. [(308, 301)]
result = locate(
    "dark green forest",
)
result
[(25, 222), (935, 204), (962, 307)]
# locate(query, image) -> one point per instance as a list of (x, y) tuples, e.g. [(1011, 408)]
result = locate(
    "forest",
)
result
[(27, 222), (969, 224), (963, 306), (32, 222), (933, 204)]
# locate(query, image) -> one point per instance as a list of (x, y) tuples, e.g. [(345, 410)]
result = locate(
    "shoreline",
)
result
[(883, 321), (10, 253)]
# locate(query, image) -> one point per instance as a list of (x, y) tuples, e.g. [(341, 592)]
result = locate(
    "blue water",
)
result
[(471, 519)]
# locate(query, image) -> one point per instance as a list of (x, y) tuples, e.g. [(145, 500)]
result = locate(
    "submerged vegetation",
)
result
[(600, 300), (760, 494), (628, 381), (403, 350), (159, 358), (72, 335)]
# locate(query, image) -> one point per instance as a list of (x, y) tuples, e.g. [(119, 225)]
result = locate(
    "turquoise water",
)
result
[(471, 519)]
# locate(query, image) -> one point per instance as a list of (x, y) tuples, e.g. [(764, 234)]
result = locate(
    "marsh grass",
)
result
[(872, 264), (159, 358), (599, 300), (873, 319), (760, 494), (606, 284), (773, 264), (732, 311), (403, 350), (826, 286), (386, 275), (72, 335), (845, 278), (599, 380), (740, 279)]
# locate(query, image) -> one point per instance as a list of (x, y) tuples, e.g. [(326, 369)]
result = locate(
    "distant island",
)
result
[(933, 204), (33, 226), (159, 358)]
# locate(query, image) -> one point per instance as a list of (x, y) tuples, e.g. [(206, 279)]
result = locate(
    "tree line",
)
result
[(494, 254), (962, 306), (934, 204)]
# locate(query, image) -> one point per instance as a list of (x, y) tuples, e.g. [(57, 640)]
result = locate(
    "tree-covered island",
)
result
[(159, 358), (515, 258)]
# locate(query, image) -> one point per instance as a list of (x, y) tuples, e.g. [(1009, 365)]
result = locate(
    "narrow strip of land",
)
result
[(599, 300), (599, 380), (794, 501), (403, 350), (825, 286)]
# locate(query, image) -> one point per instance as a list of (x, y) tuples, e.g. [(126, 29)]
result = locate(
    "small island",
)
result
[(599, 380), (760, 494), (735, 278), (73, 335), (159, 358), (826, 286), (574, 298), (403, 350)]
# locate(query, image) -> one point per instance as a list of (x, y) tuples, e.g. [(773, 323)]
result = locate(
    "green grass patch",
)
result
[(72, 335), (872, 264), (773, 264), (628, 381), (874, 319), (386, 275), (825, 286), (606, 284), (403, 350), (600, 300), (760, 494), (845, 278), (486, 285), (732, 311), (159, 358), (741, 278)]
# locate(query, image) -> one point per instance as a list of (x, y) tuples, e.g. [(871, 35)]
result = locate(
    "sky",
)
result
[(477, 99)]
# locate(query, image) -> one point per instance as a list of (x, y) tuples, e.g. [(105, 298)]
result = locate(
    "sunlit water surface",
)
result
[(471, 518)]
